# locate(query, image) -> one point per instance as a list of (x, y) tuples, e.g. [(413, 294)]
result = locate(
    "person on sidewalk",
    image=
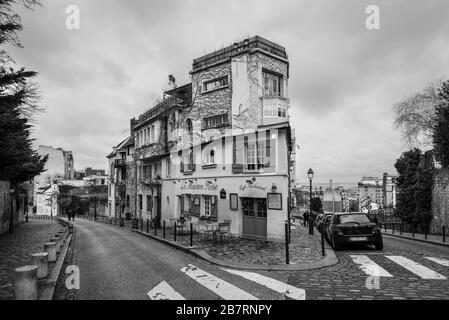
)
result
[(73, 215), (69, 214), (305, 217)]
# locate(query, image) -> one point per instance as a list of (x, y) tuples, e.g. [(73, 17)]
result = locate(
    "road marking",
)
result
[(416, 268), (273, 284), (369, 266), (163, 291), (220, 287), (443, 262)]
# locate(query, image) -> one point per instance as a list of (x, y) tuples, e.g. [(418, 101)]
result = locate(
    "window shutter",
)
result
[(214, 211), (268, 149)]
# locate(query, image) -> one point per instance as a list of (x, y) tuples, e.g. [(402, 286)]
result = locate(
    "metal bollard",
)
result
[(323, 252), (392, 227), (25, 283), (287, 258), (400, 229), (155, 229), (141, 224), (444, 233), (191, 235), (41, 261), (163, 230), (175, 232), (148, 225)]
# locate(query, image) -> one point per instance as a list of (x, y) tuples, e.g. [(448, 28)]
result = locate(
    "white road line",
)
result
[(369, 266), (416, 268), (443, 262), (163, 291), (220, 287), (273, 284)]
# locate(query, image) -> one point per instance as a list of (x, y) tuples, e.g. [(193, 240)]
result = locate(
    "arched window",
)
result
[(211, 157)]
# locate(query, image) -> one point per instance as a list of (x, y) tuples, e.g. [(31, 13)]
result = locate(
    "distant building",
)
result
[(376, 192), (60, 165), (88, 172)]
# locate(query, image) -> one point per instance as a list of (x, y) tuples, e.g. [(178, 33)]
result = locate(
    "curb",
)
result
[(417, 239), (327, 261), (51, 282)]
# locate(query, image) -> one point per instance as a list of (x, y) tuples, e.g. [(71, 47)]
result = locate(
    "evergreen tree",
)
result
[(407, 167), (440, 137), (18, 103)]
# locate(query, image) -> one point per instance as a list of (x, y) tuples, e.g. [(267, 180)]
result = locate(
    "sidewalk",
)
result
[(16, 250), (304, 250), (431, 238)]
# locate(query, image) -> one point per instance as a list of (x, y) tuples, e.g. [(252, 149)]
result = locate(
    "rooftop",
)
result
[(255, 42)]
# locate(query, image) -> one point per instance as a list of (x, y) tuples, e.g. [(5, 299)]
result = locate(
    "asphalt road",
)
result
[(119, 264)]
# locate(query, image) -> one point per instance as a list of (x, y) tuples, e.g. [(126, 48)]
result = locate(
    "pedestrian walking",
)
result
[(73, 216), (69, 214)]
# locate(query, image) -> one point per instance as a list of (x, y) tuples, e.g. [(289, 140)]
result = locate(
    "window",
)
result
[(149, 204), (207, 206), (145, 137), (211, 157), (148, 172), (282, 111), (251, 160), (272, 84), (140, 202), (189, 126), (260, 155), (168, 163), (215, 84), (215, 121), (152, 134)]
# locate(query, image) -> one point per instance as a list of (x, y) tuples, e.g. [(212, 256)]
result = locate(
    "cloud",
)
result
[(344, 78)]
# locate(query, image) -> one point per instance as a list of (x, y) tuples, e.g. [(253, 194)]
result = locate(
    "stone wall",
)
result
[(5, 207), (440, 200)]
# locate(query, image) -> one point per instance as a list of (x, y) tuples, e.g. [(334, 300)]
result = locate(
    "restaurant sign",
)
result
[(206, 186)]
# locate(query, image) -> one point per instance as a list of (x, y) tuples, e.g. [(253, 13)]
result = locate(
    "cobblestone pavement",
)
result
[(347, 280), (303, 248), (16, 250)]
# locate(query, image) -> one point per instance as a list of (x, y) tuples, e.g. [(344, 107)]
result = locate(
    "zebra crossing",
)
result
[(372, 268), (224, 289)]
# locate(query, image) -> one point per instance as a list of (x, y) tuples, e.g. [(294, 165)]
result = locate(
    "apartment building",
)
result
[(220, 147)]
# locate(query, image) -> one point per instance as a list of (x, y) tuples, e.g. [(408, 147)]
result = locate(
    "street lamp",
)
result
[(310, 176), (12, 189)]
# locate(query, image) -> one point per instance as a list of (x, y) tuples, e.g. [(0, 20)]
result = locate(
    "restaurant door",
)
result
[(254, 217)]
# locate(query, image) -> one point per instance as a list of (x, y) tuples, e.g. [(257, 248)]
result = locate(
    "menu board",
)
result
[(274, 201)]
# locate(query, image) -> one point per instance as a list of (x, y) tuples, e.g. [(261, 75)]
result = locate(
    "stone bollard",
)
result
[(41, 261), (50, 248), (62, 235), (57, 242), (25, 283)]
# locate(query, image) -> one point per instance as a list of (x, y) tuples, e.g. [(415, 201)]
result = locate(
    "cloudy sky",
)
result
[(344, 80)]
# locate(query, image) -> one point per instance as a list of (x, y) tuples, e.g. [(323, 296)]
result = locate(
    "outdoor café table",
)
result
[(212, 227), (181, 224)]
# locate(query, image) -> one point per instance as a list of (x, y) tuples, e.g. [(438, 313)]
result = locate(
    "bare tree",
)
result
[(415, 116)]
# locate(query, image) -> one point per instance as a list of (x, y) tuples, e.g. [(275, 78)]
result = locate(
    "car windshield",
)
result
[(354, 218)]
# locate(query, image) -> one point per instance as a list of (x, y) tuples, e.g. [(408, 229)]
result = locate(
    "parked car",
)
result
[(326, 223), (320, 221), (348, 228), (317, 220)]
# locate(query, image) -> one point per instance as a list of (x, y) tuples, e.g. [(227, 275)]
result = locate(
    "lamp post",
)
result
[(12, 189), (310, 176)]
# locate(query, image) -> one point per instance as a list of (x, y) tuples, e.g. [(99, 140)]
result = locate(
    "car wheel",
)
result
[(379, 244), (335, 245)]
